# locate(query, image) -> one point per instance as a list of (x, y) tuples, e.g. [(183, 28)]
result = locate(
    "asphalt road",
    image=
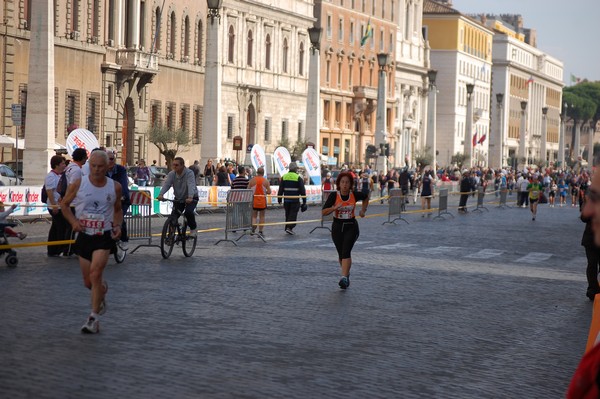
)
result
[(485, 305)]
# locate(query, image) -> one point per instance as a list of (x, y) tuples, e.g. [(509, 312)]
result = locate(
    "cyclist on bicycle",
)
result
[(185, 190)]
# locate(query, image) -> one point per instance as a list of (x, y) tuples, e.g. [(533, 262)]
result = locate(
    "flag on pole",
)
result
[(575, 79), (482, 139), (530, 80), (368, 33), (475, 139)]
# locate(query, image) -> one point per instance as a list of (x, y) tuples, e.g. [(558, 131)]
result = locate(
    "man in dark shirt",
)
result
[(241, 180)]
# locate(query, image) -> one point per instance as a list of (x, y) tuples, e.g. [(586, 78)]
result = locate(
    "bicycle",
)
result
[(176, 232)]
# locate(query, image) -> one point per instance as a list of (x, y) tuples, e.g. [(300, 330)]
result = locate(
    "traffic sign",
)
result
[(17, 116)]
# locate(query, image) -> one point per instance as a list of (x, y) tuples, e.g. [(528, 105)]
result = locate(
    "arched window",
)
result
[(301, 60), (186, 37), (231, 45), (157, 33), (250, 47), (284, 56), (173, 34), (268, 52), (200, 39)]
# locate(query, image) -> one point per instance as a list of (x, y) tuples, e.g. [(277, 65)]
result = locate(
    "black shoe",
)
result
[(344, 283)]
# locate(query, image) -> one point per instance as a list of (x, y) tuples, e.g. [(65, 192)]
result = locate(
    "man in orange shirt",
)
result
[(261, 188)]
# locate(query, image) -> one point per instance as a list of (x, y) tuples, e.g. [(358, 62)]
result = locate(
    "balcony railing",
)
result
[(137, 60)]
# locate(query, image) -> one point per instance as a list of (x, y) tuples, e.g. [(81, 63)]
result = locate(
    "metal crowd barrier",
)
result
[(480, 197), (327, 218), (396, 204), (139, 218), (503, 198), (238, 214), (443, 204)]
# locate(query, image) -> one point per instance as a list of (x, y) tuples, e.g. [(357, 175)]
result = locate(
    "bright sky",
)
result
[(566, 30)]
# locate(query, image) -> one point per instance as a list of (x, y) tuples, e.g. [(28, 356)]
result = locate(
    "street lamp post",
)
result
[(591, 144), (561, 137), (211, 138), (522, 137), (468, 143), (500, 136), (431, 120), (380, 123), (313, 119), (543, 155)]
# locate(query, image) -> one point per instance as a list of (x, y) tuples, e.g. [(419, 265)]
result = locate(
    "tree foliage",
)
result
[(169, 142), (423, 157), (459, 159)]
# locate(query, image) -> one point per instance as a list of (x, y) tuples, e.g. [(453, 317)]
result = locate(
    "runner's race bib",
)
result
[(93, 224)]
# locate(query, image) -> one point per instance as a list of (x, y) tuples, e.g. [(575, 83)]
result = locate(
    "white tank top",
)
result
[(94, 206)]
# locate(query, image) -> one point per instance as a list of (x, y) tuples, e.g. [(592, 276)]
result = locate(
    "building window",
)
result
[(341, 30), (328, 72), (268, 52), (348, 115), (231, 45), (326, 108), (250, 47), (23, 103), (350, 72), (197, 132), (170, 116), (92, 111), (339, 74), (71, 110), (284, 130), (325, 146), (155, 107), (329, 26), (173, 35), (200, 43), (142, 27), (381, 40), (285, 55), (186, 39), (267, 130), (301, 60), (75, 16), (157, 32), (351, 33), (230, 121), (184, 114), (94, 16), (338, 113), (300, 130)]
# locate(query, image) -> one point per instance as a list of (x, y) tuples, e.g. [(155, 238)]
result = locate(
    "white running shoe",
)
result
[(91, 326)]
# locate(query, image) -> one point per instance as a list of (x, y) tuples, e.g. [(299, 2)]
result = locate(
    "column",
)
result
[(591, 145), (40, 95), (211, 138), (431, 117), (522, 137), (468, 142), (380, 122), (577, 145), (313, 100), (498, 142), (543, 154), (134, 23), (561, 137)]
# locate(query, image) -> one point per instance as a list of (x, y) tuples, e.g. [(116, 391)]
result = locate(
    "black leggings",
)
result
[(344, 234)]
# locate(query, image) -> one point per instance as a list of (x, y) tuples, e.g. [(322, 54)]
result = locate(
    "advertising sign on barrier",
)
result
[(282, 160), (81, 138), (312, 164)]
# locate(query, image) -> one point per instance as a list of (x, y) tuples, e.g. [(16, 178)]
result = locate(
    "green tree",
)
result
[(459, 159), (423, 157), (169, 142)]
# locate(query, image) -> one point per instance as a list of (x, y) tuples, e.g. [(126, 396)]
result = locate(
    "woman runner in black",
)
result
[(344, 230)]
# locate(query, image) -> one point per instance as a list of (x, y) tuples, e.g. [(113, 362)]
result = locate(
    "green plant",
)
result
[(169, 142)]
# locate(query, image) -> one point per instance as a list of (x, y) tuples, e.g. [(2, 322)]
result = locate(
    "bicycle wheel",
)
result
[(167, 239), (188, 243)]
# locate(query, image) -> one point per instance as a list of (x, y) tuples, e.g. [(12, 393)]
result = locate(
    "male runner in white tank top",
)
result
[(99, 216)]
